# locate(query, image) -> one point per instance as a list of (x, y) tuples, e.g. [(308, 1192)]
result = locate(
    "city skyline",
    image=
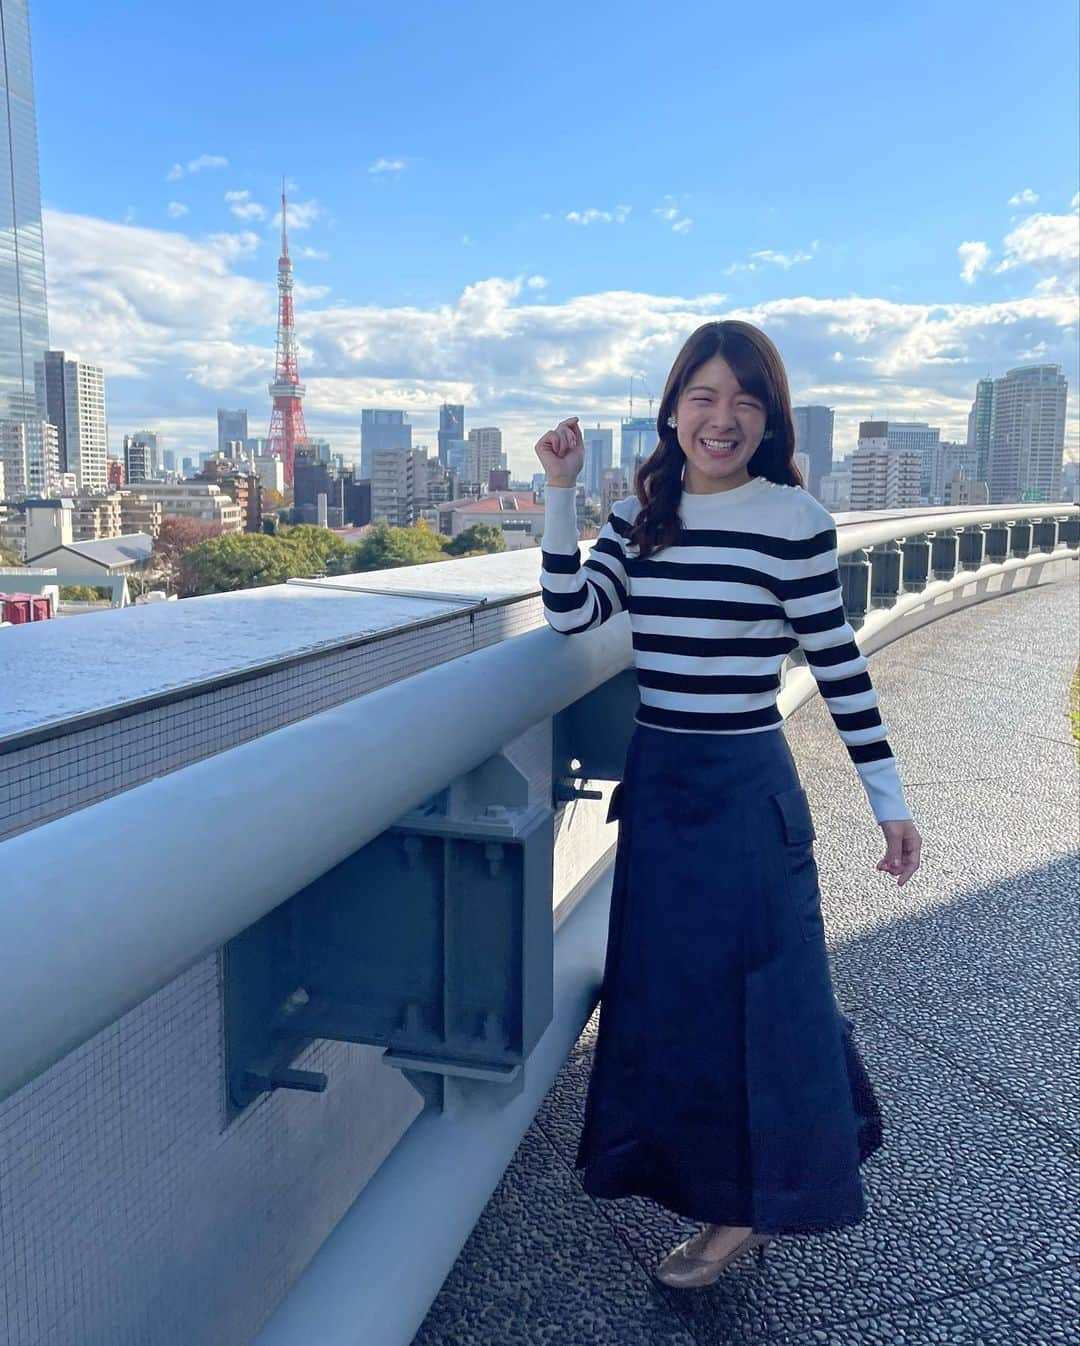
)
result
[(892, 278)]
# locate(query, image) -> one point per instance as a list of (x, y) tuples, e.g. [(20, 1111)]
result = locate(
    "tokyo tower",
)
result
[(287, 429)]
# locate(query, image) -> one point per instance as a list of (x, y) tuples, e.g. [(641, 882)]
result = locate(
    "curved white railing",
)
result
[(73, 920)]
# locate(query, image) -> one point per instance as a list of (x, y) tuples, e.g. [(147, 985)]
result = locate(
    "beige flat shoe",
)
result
[(684, 1270)]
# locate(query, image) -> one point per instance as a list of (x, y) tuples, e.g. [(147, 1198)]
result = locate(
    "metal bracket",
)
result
[(434, 941)]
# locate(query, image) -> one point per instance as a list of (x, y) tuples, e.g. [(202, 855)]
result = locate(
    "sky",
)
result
[(529, 208)]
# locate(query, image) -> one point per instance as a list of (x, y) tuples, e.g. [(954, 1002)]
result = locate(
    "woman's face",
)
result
[(719, 427)]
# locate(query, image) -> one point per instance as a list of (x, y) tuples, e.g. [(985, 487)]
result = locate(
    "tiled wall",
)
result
[(130, 1215), (131, 1212)]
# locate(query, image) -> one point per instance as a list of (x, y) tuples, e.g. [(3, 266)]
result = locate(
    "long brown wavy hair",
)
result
[(756, 363)]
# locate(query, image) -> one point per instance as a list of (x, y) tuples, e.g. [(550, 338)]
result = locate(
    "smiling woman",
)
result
[(726, 1085)]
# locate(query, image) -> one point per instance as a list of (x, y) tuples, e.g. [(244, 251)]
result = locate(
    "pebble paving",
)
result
[(963, 986)]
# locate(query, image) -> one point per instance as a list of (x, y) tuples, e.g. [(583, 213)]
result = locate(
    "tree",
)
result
[(236, 561), (272, 500), (178, 534), (384, 547), (8, 557), (323, 548), (84, 593), (477, 540)]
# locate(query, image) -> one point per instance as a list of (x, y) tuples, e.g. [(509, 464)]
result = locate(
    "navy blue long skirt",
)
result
[(725, 1084)]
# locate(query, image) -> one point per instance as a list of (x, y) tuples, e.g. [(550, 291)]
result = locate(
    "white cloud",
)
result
[(1040, 240), (177, 210), (196, 166), (671, 213), (537, 282), (768, 257), (312, 254), (387, 166), (145, 303), (1025, 198), (179, 333), (243, 207), (782, 259), (593, 216), (302, 215), (975, 256), (207, 161)]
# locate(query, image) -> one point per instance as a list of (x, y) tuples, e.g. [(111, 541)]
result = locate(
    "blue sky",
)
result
[(519, 210)]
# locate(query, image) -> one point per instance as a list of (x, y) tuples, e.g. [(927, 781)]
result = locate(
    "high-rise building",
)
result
[(399, 486), (917, 437), (49, 396), (814, 437), (231, 425), (637, 442), (138, 466), (80, 387), (29, 450), (152, 440), (460, 458), (271, 472), (978, 433), (598, 453), (451, 429), (883, 477), (382, 430), (949, 462), (24, 318), (487, 447), (1027, 434)]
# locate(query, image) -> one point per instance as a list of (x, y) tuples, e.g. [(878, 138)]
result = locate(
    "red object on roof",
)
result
[(20, 608), (16, 608)]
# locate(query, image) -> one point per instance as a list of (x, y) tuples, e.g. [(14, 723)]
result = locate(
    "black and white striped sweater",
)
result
[(753, 575)]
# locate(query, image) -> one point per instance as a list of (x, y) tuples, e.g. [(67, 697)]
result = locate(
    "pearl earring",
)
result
[(671, 422), (767, 435)]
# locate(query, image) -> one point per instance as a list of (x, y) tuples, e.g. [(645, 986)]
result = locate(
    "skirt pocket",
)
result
[(800, 867)]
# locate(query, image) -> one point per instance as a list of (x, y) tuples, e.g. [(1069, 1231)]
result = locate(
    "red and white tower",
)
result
[(287, 429)]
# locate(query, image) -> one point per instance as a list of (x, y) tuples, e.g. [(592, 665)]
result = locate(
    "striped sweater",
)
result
[(753, 576)]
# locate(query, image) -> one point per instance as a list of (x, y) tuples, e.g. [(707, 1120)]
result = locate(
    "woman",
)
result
[(725, 1083)]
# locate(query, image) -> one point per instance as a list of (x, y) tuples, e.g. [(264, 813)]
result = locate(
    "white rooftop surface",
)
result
[(477, 579), (55, 670)]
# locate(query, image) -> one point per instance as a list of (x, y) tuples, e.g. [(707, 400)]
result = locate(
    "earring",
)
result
[(671, 422), (767, 435)]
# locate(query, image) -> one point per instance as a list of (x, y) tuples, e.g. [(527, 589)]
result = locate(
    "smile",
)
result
[(719, 448)]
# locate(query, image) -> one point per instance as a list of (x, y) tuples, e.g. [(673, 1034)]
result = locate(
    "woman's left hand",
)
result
[(902, 847)]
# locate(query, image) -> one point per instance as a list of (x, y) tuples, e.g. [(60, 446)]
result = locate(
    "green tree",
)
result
[(84, 593), (384, 547), (238, 561), (324, 549), (479, 539), (8, 557)]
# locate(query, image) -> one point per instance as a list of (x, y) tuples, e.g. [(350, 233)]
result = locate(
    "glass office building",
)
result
[(24, 319)]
